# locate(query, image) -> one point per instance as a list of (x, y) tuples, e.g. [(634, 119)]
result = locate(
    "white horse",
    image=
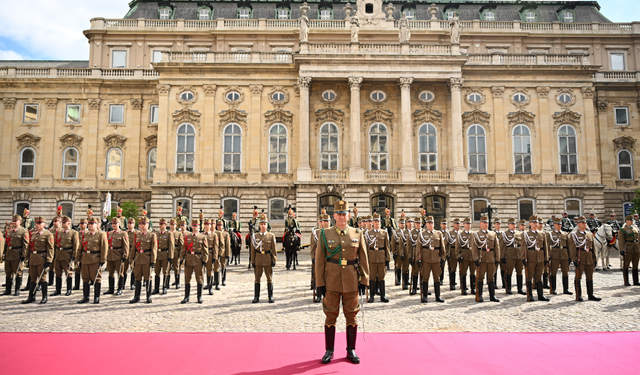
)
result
[(603, 236)]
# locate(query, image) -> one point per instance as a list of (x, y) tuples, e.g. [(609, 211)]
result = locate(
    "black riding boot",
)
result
[(590, 291), (165, 283), (540, 289), (405, 281), (156, 289), (578, 286), (85, 293), (503, 275), (383, 297), (414, 285), (178, 281), (28, 286), (133, 280), (45, 296), (224, 277), (318, 298), (463, 284), (472, 284), (69, 285), (329, 340), (437, 290), (112, 282), (398, 277), (479, 291), (121, 281), (256, 293), (635, 277), (8, 285), (58, 290), (372, 288), (148, 287), (519, 285), (124, 280), (530, 290), (216, 280), (507, 279), (425, 289), (352, 335), (138, 290), (76, 285), (625, 277), (552, 283), (96, 292), (187, 291), (18, 286), (270, 292), (32, 294), (452, 281), (565, 285), (441, 274), (545, 280), (51, 276), (199, 293), (492, 291)]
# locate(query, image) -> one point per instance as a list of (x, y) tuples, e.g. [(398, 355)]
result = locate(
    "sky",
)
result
[(52, 29)]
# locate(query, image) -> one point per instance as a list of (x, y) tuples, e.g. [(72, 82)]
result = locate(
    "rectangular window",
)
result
[(410, 14), (67, 209), (283, 14), (622, 116), (154, 113), (325, 14), (450, 14), (203, 14), (165, 14), (20, 207), (572, 207), (30, 113), (568, 16), (530, 17), (244, 14), (229, 205), (116, 114), (617, 61), (73, 114), (276, 209), (479, 208), (525, 209), (157, 56), (118, 59), (490, 16)]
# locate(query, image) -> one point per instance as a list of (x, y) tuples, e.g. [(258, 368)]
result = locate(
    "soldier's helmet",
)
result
[(376, 216), (234, 216), (59, 211), (119, 210), (613, 214), (66, 219), (533, 218), (219, 222), (323, 211), (40, 220), (263, 218), (484, 219), (130, 221), (255, 211), (341, 207), (443, 221), (89, 212), (456, 221), (402, 215), (512, 220), (422, 210), (557, 221), (195, 223), (324, 217), (290, 211), (581, 219), (143, 219), (497, 221), (428, 219), (83, 220), (201, 215), (206, 221), (387, 211), (114, 220), (466, 220), (220, 212), (16, 218), (629, 217), (93, 220), (26, 212), (162, 221), (144, 212), (179, 209), (355, 209)]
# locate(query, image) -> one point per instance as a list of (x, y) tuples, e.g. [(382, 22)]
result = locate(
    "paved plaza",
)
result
[(231, 310)]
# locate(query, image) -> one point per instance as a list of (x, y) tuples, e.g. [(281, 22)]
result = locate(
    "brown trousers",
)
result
[(405, 264), (514, 263), (453, 264), (13, 266), (397, 262), (35, 271), (377, 271), (467, 265), (162, 267), (631, 259), (535, 270), (209, 265), (220, 263), (142, 270), (586, 269), (428, 269), (113, 267), (89, 272), (62, 266), (188, 270), (268, 272), (331, 307), (563, 264), (486, 268)]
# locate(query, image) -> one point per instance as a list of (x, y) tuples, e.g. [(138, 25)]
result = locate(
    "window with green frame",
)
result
[(410, 13), (568, 16), (325, 14), (283, 13), (489, 15), (529, 15), (165, 13), (245, 13), (205, 13)]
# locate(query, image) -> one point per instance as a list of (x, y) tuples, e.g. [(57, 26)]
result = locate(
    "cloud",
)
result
[(10, 55)]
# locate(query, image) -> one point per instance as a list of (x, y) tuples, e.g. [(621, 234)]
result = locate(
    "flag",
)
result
[(106, 210)]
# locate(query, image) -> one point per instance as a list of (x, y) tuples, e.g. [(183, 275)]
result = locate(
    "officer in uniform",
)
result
[(122, 220), (413, 246), (263, 257), (405, 252), (368, 223), (342, 270), (118, 251), (513, 254), (253, 227), (582, 254), (497, 224), (423, 217), (636, 220), (567, 224), (40, 252), (443, 231), (537, 257), (450, 239), (166, 250), (212, 247), (56, 225), (92, 255), (29, 224), (17, 245), (430, 254), (82, 230), (132, 233), (323, 223), (593, 223), (379, 254), (145, 214), (221, 218), (388, 223), (559, 253), (465, 258), (179, 219), (550, 221), (629, 250), (615, 224), (178, 241), (224, 251), (234, 230), (291, 222), (195, 255), (144, 256), (396, 246), (67, 243), (485, 248), (353, 221)]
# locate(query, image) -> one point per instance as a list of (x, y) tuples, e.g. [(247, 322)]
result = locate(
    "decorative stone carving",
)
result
[(543, 91), (524, 177), (209, 90), (25, 182), (404, 34), (497, 91), (433, 10), (521, 117), (570, 178), (568, 104), (28, 140), (304, 82), (476, 117), (9, 103), (136, 103), (233, 115), (355, 83), (456, 28), (230, 103), (475, 105), (114, 141), (186, 103), (526, 102), (389, 10), (304, 23), (426, 115), (151, 141), (51, 102), (378, 115), (405, 83), (455, 83), (587, 92), (329, 115), (163, 89), (348, 9), (602, 105), (186, 115), (566, 117), (94, 103), (279, 103), (278, 115), (184, 177), (355, 29), (256, 89), (383, 101), (624, 142), (71, 140)]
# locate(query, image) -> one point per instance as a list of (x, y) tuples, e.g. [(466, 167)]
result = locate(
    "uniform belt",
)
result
[(464, 248), (67, 248), (39, 252), (376, 249), (263, 252), (336, 261), (561, 247), (164, 249), (117, 248), (631, 241), (94, 252)]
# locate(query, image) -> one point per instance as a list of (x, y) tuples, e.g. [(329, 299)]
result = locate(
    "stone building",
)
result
[(531, 107)]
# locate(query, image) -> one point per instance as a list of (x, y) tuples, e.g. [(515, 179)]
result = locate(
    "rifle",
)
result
[(41, 274), (526, 272), (356, 266)]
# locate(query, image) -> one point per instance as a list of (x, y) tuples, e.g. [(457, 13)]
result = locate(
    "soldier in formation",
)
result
[(514, 254), (583, 258), (559, 254), (178, 241), (224, 251), (323, 223), (41, 254), (144, 258), (405, 252), (66, 244), (485, 250), (593, 223), (195, 255), (536, 258), (379, 254), (92, 255), (212, 244), (14, 254), (263, 258), (118, 252), (629, 250), (450, 240), (396, 246), (166, 250), (465, 258), (430, 254)]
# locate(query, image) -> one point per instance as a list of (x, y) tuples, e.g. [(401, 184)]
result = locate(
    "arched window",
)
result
[(476, 138), (186, 149), (232, 148), (276, 209), (114, 164), (428, 147), (329, 147), (625, 165), (573, 207), (526, 208), (20, 206), (278, 149), (27, 163), (568, 150), (70, 164), (230, 205), (185, 203), (380, 202), (151, 162), (378, 147), (67, 208), (479, 206), (522, 149), (327, 203), (435, 206)]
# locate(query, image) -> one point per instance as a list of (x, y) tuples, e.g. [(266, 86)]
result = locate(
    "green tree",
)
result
[(636, 202), (129, 209)]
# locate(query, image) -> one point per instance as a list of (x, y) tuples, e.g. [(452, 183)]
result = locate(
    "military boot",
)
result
[(69, 285), (256, 293), (578, 286), (45, 296), (270, 292), (405, 281), (165, 283), (635, 277), (552, 283), (210, 285), (133, 281), (51, 277), (28, 286), (565, 285), (519, 285), (383, 298), (507, 279), (352, 335), (530, 290), (479, 291), (112, 282), (545, 280), (492, 291), (329, 341), (224, 277), (463, 284), (425, 288), (540, 289), (121, 281), (85, 293), (590, 291), (148, 287), (472, 284), (156, 289), (96, 292), (414, 285), (187, 291), (372, 288), (398, 276), (216, 280), (77, 281), (625, 276), (8, 285), (437, 290), (199, 286), (452, 281), (138, 290), (58, 290), (32, 294), (178, 281), (18, 286)]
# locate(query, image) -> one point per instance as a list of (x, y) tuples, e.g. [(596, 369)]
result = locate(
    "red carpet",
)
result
[(300, 353)]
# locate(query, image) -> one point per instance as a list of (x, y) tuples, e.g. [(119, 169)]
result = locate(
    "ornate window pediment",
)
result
[(28, 140), (429, 115), (186, 115), (566, 117), (278, 115), (151, 141), (71, 140), (371, 116), (624, 142), (114, 141), (521, 117), (475, 117), (329, 115), (233, 115)]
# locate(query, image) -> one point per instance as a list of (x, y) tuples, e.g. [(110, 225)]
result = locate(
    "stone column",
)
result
[(253, 139), (408, 169), (134, 156), (593, 173), (304, 168), (161, 173), (608, 164), (208, 137), (356, 173), (459, 171), (7, 140), (90, 154), (49, 173), (501, 150), (545, 139)]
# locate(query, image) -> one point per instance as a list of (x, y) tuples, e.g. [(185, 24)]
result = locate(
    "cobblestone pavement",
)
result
[(230, 309)]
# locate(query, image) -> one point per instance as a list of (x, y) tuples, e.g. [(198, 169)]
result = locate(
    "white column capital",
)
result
[(304, 82), (455, 83), (355, 83), (405, 83)]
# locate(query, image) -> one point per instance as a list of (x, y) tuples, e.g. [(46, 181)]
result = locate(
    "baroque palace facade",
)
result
[(532, 107)]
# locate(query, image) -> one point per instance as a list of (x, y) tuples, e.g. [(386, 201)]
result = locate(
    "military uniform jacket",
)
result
[(313, 242), (463, 244), (404, 248), (615, 225), (263, 249), (2, 243), (133, 238), (291, 222), (593, 224), (118, 245), (253, 225), (637, 223), (28, 223), (353, 222), (68, 243), (388, 222), (146, 248), (450, 238), (431, 246), (17, 244), (166, 245), (629, 239), (41, 248), (212, 242), (558, 248), (178, 242), (485, 246), (225, 223), (512, 245), (567, 224), (94, 248), (412, 243), (378, 248), (341, 260), (224, 244), (195, 249), (396, 242), (234, 225), (536, 244), (501, 242), (579, 242)]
